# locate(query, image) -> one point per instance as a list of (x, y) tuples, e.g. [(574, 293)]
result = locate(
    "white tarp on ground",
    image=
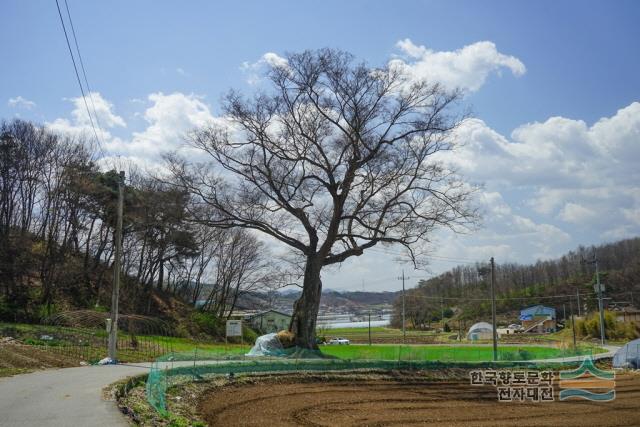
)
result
[(480, 331), (267, 345), (628, 356)]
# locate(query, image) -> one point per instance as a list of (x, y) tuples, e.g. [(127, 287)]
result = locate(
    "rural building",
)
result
[(538, 319), (269, 321), (480, 331), (627, 315)]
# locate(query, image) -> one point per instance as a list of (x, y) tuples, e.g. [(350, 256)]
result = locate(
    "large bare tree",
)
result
[(335, 158)]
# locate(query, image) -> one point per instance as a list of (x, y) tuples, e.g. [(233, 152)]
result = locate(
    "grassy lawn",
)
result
[(444, 352)]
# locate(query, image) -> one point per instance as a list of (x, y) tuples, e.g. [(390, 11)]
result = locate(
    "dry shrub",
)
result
[(287, 338)]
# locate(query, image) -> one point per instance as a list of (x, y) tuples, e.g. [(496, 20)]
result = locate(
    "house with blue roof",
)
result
[(538, 319)]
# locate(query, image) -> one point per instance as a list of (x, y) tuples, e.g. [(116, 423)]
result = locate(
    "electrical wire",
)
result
[(75, 67), (84, 72)]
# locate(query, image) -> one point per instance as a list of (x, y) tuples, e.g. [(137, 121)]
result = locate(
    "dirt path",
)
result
[(379, 402)]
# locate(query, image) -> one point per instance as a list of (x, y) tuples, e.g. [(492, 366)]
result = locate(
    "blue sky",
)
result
[(539, 76)]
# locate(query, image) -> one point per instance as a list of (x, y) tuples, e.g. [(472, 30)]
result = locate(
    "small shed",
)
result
[(538, 318), (269, 321), (480, 331)]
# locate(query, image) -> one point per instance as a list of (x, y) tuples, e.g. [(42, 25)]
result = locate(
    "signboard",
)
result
[(598, 289), (234, 328)]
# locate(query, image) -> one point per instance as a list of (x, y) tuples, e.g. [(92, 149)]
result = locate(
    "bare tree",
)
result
[(241, 265), (337, 158)]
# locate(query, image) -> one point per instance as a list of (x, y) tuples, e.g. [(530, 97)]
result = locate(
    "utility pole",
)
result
[(578, 295), (599, 288), (493, 309), (115, 292), (369, 326), (404, 330), (573, 325), (442, 311)]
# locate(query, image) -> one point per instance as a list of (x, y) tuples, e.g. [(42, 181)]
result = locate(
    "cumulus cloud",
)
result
[(467, 68), (80, 124), (169, 118), (253, 70), (564, 176), (20, 102)]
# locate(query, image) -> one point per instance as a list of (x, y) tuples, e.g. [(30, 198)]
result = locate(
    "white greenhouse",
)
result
[(480, 331), (628, 356)]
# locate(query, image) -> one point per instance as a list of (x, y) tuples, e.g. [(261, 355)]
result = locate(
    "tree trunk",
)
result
[(305, 309)]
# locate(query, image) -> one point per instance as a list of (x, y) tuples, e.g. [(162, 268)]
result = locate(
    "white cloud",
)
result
[(467, 68), (577, 214), (567, 182), (169, 118), (253, 70), (99, 107), (80, 124), (20, 102)]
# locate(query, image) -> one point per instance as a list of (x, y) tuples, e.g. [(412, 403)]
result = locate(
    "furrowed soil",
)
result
[(393, 400), (17, 358)]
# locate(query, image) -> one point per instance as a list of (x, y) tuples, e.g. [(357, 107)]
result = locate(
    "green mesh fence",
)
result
[(198, 365)]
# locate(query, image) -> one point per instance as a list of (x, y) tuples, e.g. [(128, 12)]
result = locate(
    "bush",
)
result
[(206, 323), (590, 327), (249, 335)]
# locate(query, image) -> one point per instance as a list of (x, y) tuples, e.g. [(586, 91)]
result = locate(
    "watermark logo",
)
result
[(516, 385), (578, 383)]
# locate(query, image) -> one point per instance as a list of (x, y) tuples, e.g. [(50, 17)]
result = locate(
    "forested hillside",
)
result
[(551, 282), (57, 217)]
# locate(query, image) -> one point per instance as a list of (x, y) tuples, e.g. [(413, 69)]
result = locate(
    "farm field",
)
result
[(404, 400), (19, 359)]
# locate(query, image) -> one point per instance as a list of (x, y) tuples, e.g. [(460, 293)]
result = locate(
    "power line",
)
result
[(75, 67), (84, 73), (433, 257)]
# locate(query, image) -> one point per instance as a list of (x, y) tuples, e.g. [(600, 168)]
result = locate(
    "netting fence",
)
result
[(82, 335), (174, 369)]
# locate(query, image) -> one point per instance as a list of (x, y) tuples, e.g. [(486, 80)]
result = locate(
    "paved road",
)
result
[(63, 397)]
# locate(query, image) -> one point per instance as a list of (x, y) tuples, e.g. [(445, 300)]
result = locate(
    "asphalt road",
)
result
[(63, 397)]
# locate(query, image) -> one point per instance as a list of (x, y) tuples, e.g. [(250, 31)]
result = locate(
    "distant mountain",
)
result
[(331, 300)]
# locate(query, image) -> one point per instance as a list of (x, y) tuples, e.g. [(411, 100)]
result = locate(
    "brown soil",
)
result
[(15, 357), (377, 401)]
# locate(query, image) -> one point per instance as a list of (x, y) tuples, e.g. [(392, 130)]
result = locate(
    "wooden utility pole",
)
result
[(404, 330), (115, 292), (578, 296), (573, 325), (369, 326), (442, 311), (493, 309)]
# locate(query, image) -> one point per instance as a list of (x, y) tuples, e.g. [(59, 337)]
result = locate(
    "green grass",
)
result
[(446, 353), (73, 341), (8, 372), (180, 345)]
